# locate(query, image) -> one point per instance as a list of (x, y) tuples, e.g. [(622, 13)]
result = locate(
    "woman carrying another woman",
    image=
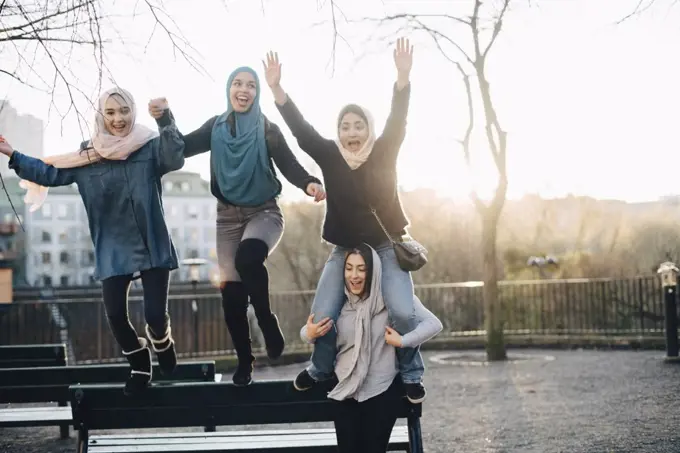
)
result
[(360, 173), (118, 173), (244, 146), (366, 362)]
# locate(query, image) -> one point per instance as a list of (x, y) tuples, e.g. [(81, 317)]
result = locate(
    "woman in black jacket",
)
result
[(360, 174)]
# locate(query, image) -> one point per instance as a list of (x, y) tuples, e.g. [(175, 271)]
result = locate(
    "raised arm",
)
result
[(194, 143), (310, 141), (395, 128), (288, 164), (35, 170), (428, 326), (169, 146)]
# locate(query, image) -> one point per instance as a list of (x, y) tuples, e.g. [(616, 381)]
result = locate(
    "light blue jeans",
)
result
[(397, 288)]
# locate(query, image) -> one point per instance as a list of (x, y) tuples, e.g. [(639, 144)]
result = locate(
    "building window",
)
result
[(64, 280), (174, 211), (63, 258), (62, 211), (193, 211), (185, 186), (46, 237), (63, 237), (168, 185), (46, 210), (88, 257), (46, 280), (192, 253), (46, 257)]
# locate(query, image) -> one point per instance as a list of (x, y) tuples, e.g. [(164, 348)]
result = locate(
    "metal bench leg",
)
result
[(64, 429), (82, 440), (415, 435)]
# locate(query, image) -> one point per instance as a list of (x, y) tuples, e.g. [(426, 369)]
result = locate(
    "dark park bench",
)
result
[(51, 384), (182, 405), (32, 355)]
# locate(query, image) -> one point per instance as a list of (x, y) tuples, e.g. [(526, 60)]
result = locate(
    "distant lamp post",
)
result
[(194, 265), (543, 262), (669, 281)]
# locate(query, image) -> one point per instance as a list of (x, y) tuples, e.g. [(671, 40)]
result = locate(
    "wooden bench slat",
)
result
[(43, 416), (222, 442), (169, 435), (399, 433)]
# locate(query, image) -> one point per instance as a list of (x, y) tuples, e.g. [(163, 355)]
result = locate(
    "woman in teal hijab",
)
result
[(244, 147)]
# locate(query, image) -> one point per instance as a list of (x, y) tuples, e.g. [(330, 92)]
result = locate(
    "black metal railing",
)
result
[(544, 307)]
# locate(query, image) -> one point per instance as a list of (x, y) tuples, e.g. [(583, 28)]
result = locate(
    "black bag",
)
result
[(411, 255)]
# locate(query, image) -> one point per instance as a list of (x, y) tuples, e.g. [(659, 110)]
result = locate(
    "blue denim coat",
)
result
[(123, 202)]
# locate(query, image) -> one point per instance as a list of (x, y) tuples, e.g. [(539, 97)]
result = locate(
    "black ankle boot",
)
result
[(235, 306), (141, 372), (244, 372), (165, 351), (273, 336)]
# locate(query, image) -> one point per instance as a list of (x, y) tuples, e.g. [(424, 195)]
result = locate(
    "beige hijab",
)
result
[(102, 145), (356, 159), (352, 370)]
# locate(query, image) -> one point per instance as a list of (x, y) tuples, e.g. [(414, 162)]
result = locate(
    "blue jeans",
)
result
[(397, 288)]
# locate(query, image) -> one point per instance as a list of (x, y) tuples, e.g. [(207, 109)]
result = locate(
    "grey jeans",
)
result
[(236, 223)]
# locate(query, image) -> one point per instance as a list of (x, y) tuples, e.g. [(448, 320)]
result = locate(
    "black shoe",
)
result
[(140, 375), (303, 381), (415, 392), (244, 373), (165, 351), (273, 337)]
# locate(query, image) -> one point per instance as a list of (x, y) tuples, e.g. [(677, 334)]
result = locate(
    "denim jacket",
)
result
[(122, 200)]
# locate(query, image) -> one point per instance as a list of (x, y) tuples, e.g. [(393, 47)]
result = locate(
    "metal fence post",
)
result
[(669, 282)]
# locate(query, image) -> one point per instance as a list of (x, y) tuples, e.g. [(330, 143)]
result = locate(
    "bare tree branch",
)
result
[(46, 38), (497, 26)]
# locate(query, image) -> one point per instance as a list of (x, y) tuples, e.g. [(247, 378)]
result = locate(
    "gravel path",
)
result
[(544, 402)]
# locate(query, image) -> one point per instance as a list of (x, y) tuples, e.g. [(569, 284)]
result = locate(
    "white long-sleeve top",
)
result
[(383, 367)]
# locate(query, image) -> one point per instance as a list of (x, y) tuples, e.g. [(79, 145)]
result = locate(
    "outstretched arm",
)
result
[(289, 165), (35, 170), (395, 128), (196, 142), (169, 146), (428, 326), (310, 141)]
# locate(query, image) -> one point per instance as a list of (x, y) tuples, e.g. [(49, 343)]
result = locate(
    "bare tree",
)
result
[(44, 40)]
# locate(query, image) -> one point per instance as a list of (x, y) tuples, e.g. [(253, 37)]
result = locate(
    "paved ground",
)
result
[(549, 402)]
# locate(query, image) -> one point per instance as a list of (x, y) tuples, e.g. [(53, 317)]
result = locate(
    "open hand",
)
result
[(392, 337), (272, 69), (317, 191), (319, 329), (5, 148), (157, 107), (403, 56)]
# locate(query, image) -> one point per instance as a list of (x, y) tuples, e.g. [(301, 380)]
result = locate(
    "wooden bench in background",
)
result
[(32, 355), (99, 407), (51, 384)]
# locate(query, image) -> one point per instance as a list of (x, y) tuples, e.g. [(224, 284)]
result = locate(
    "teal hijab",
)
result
[(239, 157)]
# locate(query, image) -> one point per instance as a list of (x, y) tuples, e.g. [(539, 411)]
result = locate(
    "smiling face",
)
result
[(242, 92), (353, 132), (117, 116), (355, 274)]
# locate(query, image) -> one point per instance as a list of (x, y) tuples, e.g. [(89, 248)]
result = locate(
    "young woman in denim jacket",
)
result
[(118, 173)]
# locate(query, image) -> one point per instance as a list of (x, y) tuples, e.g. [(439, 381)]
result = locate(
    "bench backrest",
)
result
[(37, 385), (205, 404), (32, 355)]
